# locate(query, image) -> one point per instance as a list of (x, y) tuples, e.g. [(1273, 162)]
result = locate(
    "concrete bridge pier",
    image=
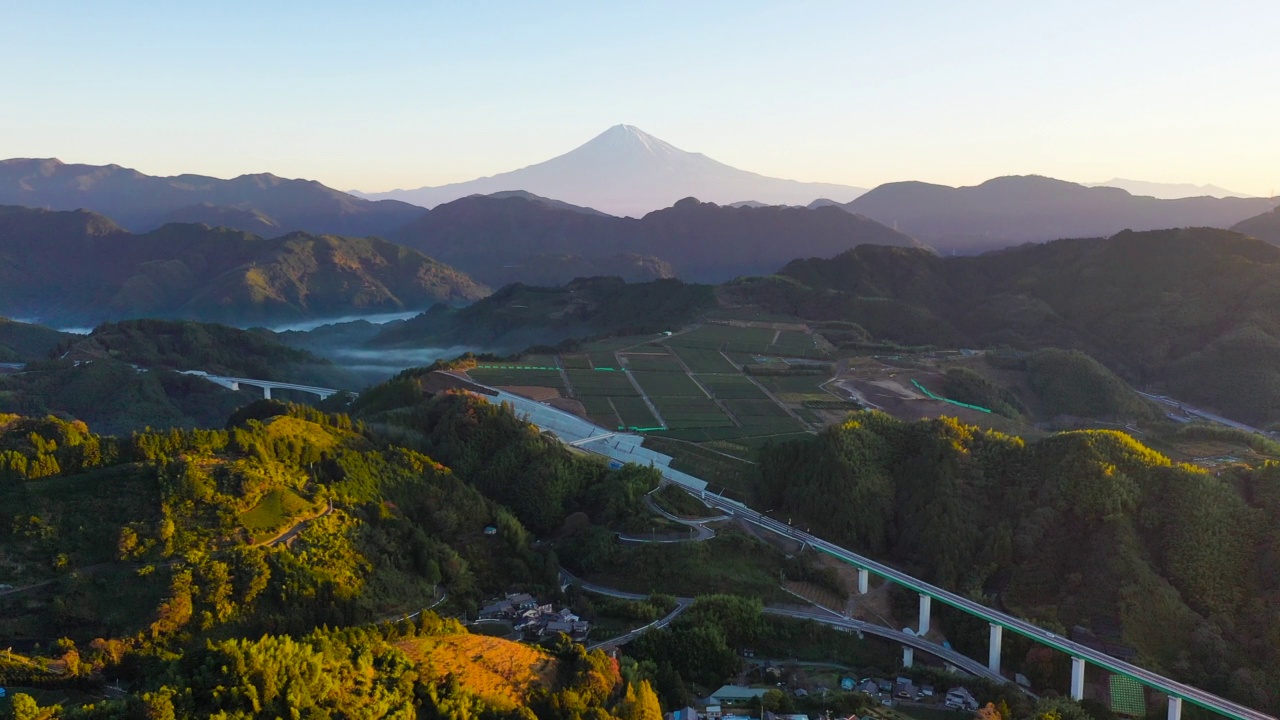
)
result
[(993, 648), (1077, 679), (908, 656), (864, 581), (1175, 708), (266, 392), (926, 606)]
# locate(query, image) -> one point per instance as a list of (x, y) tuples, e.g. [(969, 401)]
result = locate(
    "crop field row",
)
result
[(795, 388), (577, 362), (634, 412), (794, 339), (732, 387), (600, 382), (513, 376), (665, 384), (603, 360), (714, 336), (653, 362), (597, 406), (744, 409), (743, 342), (704, 360)]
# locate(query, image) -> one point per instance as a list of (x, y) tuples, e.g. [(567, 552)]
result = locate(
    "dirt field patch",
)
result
[(568, 405)]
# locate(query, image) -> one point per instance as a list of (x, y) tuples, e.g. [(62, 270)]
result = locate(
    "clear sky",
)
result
[(378, 94)]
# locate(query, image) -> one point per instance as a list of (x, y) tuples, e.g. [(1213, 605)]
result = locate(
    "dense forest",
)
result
[(1188, 312), (1085, 528)]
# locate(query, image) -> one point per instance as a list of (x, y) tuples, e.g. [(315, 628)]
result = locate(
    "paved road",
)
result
[(288, 535), (1186, 692), (266, 386), (1204, 414), (655, 625), (819, 615), (701, 533)]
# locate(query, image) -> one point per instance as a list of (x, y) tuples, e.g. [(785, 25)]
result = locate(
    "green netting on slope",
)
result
[(1128, 696), (932, 396)]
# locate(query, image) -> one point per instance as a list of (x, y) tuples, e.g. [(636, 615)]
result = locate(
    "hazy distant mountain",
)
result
[(1167, 191), (549, 202), (822, 202), (144, 202), (80, 268), (253, 221), (1013, 210), (502, 239), (1264, 227), (625, 171)]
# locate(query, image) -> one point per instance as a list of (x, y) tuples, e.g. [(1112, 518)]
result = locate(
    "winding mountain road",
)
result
[(820, 615)]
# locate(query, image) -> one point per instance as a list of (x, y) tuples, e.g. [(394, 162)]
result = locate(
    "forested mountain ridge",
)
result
[(1082, 528), (1191, 311), (81, 268), (143, 202), (701, 242), (20, 342), (519, 316), (1007, 211)]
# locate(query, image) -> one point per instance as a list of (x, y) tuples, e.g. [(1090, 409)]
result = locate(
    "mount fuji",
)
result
[(626, 171)]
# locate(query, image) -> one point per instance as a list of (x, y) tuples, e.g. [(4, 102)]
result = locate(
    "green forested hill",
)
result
[(1193, 312), (205, 568), (125, 376), (186, 345), (81, 268), (20, 342), (1081, 528)]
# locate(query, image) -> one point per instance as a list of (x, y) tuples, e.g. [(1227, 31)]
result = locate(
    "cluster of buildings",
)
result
[(534, 620)]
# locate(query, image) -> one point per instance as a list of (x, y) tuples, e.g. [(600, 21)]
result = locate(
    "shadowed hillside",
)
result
[(496, 238), (143, 202), (1264, 227), (81, 268), (1191, 312), (1010, 211)]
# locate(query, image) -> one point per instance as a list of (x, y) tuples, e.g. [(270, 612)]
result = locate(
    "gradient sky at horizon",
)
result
[(382, 94)]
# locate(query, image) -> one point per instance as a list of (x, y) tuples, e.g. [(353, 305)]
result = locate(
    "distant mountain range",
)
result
[(1013, 210), (522, 237), (626, 171), (81, 268), (260, 203), (1167, 191)]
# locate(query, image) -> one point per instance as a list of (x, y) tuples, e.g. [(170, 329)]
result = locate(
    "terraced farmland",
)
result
[(732, 387), (668, 384)]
